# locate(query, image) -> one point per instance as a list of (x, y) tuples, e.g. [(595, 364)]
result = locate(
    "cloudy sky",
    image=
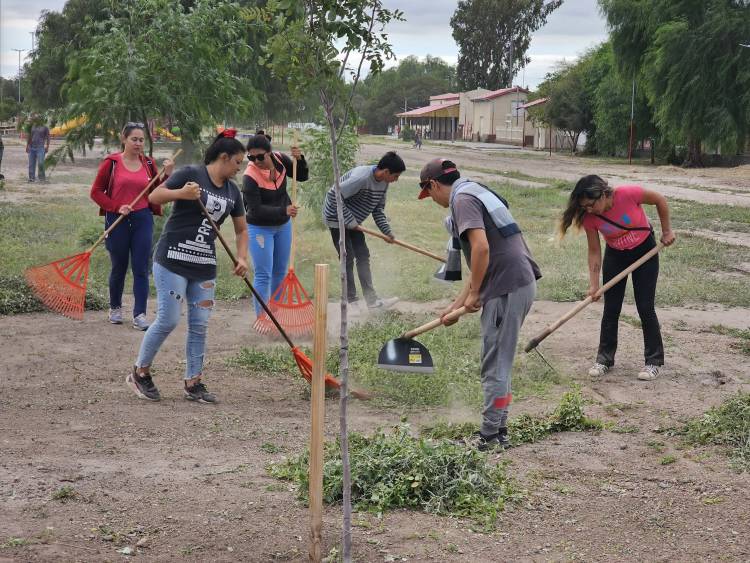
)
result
[(570, 30)]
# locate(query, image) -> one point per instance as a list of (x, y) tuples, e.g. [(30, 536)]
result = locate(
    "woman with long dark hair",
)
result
[(269, 210), (185, 261), (121, 177), (617, 213)]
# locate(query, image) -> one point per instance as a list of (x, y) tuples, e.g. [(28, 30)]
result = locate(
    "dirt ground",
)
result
[(179, 481)]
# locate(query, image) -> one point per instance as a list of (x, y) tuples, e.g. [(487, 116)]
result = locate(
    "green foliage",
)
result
[(274, 360), (407, 134), (16, 297), (132, 72), (396, 470), (487, 31), (381, 96), (526, 428), (64, 493), (725, 425), (317, 148), (696, 74)]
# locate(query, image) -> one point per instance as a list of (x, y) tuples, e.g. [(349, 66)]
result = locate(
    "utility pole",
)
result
[(632, 114), (19, 51), (33, 38)]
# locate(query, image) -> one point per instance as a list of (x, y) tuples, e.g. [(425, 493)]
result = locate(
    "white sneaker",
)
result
[(140, 322), (383, 303), (648, 373), (597, 370), (115, 316)]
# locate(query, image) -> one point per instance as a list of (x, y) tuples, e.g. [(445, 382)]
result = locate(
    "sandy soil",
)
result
[(179, 481)]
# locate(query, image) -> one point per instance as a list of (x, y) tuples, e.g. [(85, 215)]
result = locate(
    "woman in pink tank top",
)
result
[(617, 214)]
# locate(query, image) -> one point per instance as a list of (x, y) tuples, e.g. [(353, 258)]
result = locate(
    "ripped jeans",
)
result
[(171, 291)]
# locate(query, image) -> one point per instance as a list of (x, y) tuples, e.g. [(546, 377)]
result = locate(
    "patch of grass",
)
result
[(625, 429), (456, 353), (656, 445), (64, 493), (692, 215), (526, 428), (668, 460), (713, 500), (17, 297), (632, 321), (395, 470), (274, 360), (14, 542), (742, 343), (270, 448), (725, 425)]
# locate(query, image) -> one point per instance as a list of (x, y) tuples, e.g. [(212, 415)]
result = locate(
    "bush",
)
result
[(396, 470), (17, 297), (407, 134), (317, 149)]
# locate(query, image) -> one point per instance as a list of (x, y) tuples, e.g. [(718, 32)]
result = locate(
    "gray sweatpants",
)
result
[(502, 318)]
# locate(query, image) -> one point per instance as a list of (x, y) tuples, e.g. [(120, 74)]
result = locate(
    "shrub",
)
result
[(17, 297)]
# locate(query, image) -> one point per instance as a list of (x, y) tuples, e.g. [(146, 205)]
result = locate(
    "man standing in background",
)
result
[(37, 145)]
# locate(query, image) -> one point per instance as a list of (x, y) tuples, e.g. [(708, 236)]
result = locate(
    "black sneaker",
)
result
[(143, 386), (494, 442), (199, 393)]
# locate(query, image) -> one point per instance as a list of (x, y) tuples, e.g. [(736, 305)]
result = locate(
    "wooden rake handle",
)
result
[(402, 243), (435, 323), (293, 245), (534, 342), (119, 220)]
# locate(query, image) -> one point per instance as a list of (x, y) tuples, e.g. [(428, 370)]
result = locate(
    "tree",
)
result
[(412, 81), (493, 37), (132, 72), (316, 45), (695, 74)]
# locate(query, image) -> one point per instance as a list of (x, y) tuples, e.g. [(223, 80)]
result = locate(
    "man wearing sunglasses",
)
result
[(502, 282), (363, 189)]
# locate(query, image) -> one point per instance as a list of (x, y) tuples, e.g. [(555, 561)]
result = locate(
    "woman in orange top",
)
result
[(268, 209)]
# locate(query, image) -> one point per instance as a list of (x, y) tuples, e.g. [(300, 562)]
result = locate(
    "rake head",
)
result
[(305, 367), (61, 285), (292, 307)]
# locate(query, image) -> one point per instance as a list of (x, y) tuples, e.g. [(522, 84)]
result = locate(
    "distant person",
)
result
[(121, 177), (37, 146), (617, 213), (502, 283), (417, 140), (185, 261), (363, 189), (268, 211), (2, 150)]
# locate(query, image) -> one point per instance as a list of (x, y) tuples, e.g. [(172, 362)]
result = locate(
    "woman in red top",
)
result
[(617, 213), (121, 177)]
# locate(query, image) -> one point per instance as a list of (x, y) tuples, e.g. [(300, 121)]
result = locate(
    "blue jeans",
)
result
[(130, 242), (171, 291), (36, 156), (269, 248)]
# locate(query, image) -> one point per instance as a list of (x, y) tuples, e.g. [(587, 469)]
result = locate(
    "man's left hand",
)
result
[(391, 239)]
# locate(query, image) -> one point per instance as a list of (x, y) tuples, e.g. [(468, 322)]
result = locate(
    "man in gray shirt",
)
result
[(363, 190), (37, 145), (502, 282)]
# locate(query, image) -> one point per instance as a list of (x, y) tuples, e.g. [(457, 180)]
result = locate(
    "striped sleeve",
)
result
[(378, 214)]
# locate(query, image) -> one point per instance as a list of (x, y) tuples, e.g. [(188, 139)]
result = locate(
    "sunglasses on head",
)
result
[(134, 125), (258, 157), (425, 184)]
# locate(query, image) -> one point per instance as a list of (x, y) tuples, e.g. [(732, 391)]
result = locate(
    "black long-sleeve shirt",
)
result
[(266, 207)]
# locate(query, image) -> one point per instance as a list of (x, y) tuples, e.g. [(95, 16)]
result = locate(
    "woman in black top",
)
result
[(268, 209)]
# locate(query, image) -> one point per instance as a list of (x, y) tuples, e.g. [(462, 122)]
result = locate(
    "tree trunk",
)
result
[(346, 532), (148, 135), (188, 145), (694, 157)]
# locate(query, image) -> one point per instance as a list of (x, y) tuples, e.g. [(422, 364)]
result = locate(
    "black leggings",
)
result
[(644, 289), (356, 248)]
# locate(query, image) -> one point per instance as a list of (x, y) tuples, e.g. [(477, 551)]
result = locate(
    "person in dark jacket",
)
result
[(268, 210)]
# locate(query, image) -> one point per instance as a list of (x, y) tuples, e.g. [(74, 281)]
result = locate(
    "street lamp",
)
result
[(19, 51)]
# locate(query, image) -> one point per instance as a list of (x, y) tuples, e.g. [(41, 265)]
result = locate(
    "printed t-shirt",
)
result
[(510, 263), (627, 211), (186, 246), (39, 136)]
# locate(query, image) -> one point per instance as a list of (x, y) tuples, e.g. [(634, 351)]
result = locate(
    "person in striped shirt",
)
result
[(363, 189)]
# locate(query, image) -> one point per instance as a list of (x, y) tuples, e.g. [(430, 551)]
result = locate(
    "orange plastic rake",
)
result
[(61, 285), (290, 303)]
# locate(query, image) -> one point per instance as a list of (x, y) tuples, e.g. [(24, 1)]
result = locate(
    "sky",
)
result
[(570, 30)]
